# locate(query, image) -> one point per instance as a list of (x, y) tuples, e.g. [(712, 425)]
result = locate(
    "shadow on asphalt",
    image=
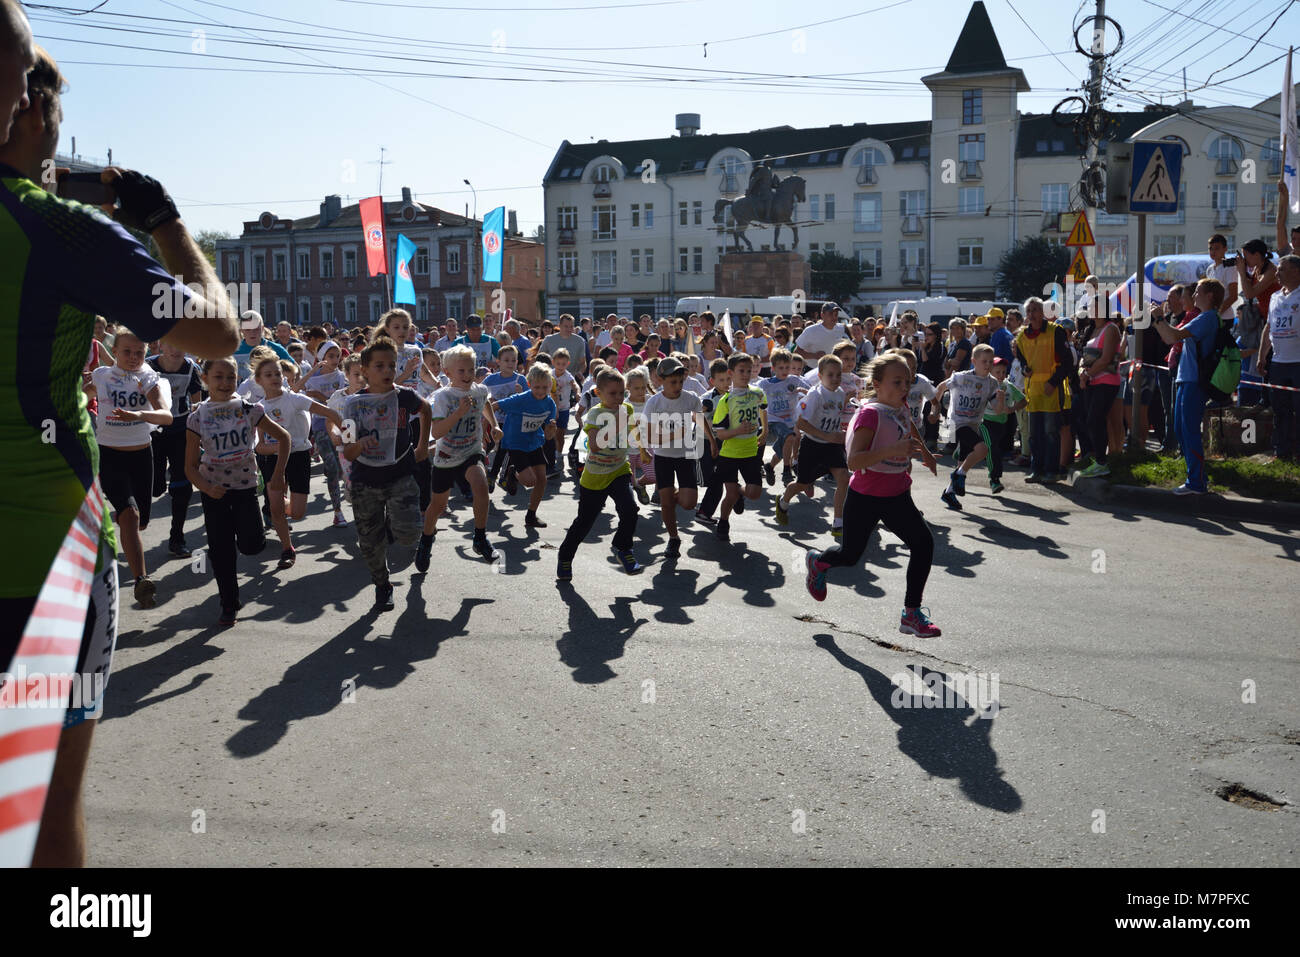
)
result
[(591, 642), (945, 742)]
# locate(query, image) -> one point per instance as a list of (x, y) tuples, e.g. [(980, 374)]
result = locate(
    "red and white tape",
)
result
[(1138, 363)]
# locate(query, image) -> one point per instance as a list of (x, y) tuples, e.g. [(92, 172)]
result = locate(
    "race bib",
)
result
[(376, 418)]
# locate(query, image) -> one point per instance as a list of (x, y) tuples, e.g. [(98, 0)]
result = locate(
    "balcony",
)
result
[(568, 237), (602, 191), (970, 170), (912, 276), (729, 186), (1225, 166), (569, 283), (912, 225), (867, 176), (1225, 218)]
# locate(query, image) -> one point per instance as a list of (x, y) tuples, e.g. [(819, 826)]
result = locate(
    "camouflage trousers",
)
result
[(379, 509)]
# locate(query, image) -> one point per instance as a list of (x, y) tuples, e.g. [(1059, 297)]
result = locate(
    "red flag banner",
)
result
[(372, 227)]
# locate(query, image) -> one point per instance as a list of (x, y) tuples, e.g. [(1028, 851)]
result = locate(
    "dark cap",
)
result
[(830, 307), (669, 366), (473, 320)]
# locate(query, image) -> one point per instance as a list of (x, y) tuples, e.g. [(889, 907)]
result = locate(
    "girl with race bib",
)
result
[(221, 464), (882, 442), (327, 378), (396, 325), (132, 399)]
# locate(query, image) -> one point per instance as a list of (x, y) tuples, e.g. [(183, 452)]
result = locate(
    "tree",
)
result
[(207, 240), (1030, 265), (835, 277)]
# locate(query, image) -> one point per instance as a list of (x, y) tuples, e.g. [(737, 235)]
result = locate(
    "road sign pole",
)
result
[(1137, 437)]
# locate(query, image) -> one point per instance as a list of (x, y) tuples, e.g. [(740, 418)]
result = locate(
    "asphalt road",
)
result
[(709, 711)]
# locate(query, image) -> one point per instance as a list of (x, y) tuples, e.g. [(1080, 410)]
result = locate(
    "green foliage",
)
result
[(1253, 476), (1028, 266), (835, 276)]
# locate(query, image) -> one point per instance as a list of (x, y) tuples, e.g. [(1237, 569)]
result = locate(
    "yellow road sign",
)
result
[(1079, 270), (1081, 234)]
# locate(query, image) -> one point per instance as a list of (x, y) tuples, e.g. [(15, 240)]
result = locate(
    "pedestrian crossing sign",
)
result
[(1157, 170), (1079, 267), (1081, 234)]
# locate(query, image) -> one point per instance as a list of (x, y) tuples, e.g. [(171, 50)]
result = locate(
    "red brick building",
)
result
[(313, 270)]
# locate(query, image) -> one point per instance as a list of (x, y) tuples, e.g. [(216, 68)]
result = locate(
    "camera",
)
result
[(1230, 260)]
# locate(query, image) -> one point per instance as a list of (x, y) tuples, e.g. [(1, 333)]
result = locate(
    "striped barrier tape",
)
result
[(1138, 364)]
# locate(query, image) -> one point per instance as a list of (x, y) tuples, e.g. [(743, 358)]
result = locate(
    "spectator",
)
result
[(1279, 356), (1223, 271), (1257, 279), (817, 341), (485, 346), (680, 333), (517, 337), (1046, 357), (602, 340), (1099, 382), (1146, 381), (999, 336), (1178, 312), (981, 329), (449, 338), (957, 357), (1197, 338), (866, 351), (568, 338), (253, 329), (1014, 321)]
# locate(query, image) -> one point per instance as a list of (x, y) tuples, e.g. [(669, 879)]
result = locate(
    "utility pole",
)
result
[(1095, 118)]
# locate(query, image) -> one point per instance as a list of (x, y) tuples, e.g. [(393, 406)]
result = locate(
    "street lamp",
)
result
[(473, 243)]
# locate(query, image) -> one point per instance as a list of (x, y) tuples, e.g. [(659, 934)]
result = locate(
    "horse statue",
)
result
[(749, 209)]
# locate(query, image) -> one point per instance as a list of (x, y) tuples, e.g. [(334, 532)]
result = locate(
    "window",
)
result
[(1226, 152), (304, 312), (566, 217), (1271, 156), (649, 212), (602, 222), (281, 311), (829, 247), (697, 212), (604, 173), (866, 160), (1269, 205), (1223, 196), (304, 264), (972, 107), (1111, 219), (453, 259), (232, 268), (605, 268), (569, 262), (970, 252), (970, 200), (327, 309), (636, 262), (1178, 218), (683, 259), (649, 262), (814, 206), (422, 260), (455, 307), (327, 264), (279, 266), (259, 267), (1112, 258), (349, 264), (911, 255), (635, 218), (422, 309), (1055, 197), (970, 147), (698, 257), (681, 213), (866, 212), (1169, 245), (376, 309), (868, 256), (350, 310), (730, 175), (828, 207), (512, 265), (911, 202)]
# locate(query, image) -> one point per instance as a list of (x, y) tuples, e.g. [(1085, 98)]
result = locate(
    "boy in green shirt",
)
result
[(742, 413)]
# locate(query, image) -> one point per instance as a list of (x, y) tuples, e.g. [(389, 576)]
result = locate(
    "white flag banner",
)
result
[(726, 326), (1290, 140)]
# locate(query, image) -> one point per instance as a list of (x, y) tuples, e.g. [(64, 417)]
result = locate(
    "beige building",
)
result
[(927, 207)]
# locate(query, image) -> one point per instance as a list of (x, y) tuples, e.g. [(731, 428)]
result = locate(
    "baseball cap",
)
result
[(250, 320), (669, 366), (999, 361), (997, 313), (473, 320), (981, 321), (829, 306)]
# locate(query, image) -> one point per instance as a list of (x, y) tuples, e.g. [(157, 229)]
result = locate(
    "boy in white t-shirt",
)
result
[(971, 392), (783, 391), (821, 448), (676, 429), (566, 392)]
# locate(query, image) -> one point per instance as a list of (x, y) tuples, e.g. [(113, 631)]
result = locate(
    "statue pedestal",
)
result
[(761, 274)]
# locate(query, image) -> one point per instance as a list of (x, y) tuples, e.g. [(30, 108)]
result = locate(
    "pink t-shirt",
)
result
[(892, 476)]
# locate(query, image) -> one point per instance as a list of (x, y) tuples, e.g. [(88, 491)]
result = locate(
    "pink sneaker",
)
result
[(816, 580), (916, 622)]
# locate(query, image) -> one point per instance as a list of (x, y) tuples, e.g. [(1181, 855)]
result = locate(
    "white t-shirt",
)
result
[(409, 352), (1284, 326), (819, 340), (693, 384), (921, 392), (603, 340), (782, 398), (250, 390), (425, 389), (676, 424), (824, 409), (120, 389), (969, 395), (466, 437), (291, 411), (564, 386), (227, 435), (1226, 275)]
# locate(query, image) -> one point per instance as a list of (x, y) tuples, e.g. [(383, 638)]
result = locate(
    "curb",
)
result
[(1210, 504)]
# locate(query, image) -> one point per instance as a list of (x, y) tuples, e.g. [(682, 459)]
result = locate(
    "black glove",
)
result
[(145, 204)]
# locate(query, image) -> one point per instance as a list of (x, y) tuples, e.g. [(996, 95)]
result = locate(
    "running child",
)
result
[(292, 411), (219, 460), (606, 475), (396, 325), (528, 425), (385, 497), (972, 391), (742, 413), (566, 392), (638, 392), (882, 442), (719, 383), (355, 381), (782, 391), (182, 375), (327, 378), (458, 414), (821, 446), (506, 381), (132, 399), (676, 428), (993, 429)]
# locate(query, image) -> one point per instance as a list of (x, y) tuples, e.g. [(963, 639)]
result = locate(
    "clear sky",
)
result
[(240, 106)]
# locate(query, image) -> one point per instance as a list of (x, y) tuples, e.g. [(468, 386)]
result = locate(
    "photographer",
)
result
[(1197, 338), (1225, 271), (65, 263)]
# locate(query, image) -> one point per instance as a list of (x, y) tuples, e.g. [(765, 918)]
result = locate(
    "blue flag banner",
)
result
[(494, 240), (403, 287)]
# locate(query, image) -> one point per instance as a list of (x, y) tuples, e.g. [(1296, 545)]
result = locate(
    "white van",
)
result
[(941, 309), (767, 307)]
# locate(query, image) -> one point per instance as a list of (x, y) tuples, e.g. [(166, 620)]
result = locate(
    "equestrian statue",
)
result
[(767, 199)]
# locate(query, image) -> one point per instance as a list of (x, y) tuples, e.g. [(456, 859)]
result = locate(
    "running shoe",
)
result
[(915, 621), (996, 486), (674, 549), (483, 548), (642, 495), (950, 499), (509, 482), (1033, 478), (287, 558), (564, 571), (705, 519), (627, 560), (816, 579), (1186, 489), (782, 513), (740, 506), (423, 552), (958, 483), (786, 477), (339, 520), (769, 471), (723, 530), (178, 549), (532, 521), (384, 597), (1095, 470), (145, 592)]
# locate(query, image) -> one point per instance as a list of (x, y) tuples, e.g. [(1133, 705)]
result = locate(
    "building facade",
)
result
[(926, 207), (313, 270)]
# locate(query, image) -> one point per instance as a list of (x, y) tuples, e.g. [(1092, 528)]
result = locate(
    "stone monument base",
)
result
[(761, 274)]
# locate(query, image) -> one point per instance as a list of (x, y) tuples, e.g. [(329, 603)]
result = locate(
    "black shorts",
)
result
[(672, 472), (444, 479), (297, 471), (967, 438), (817, 459), (127, 479), (520, 460), (728, 470)]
